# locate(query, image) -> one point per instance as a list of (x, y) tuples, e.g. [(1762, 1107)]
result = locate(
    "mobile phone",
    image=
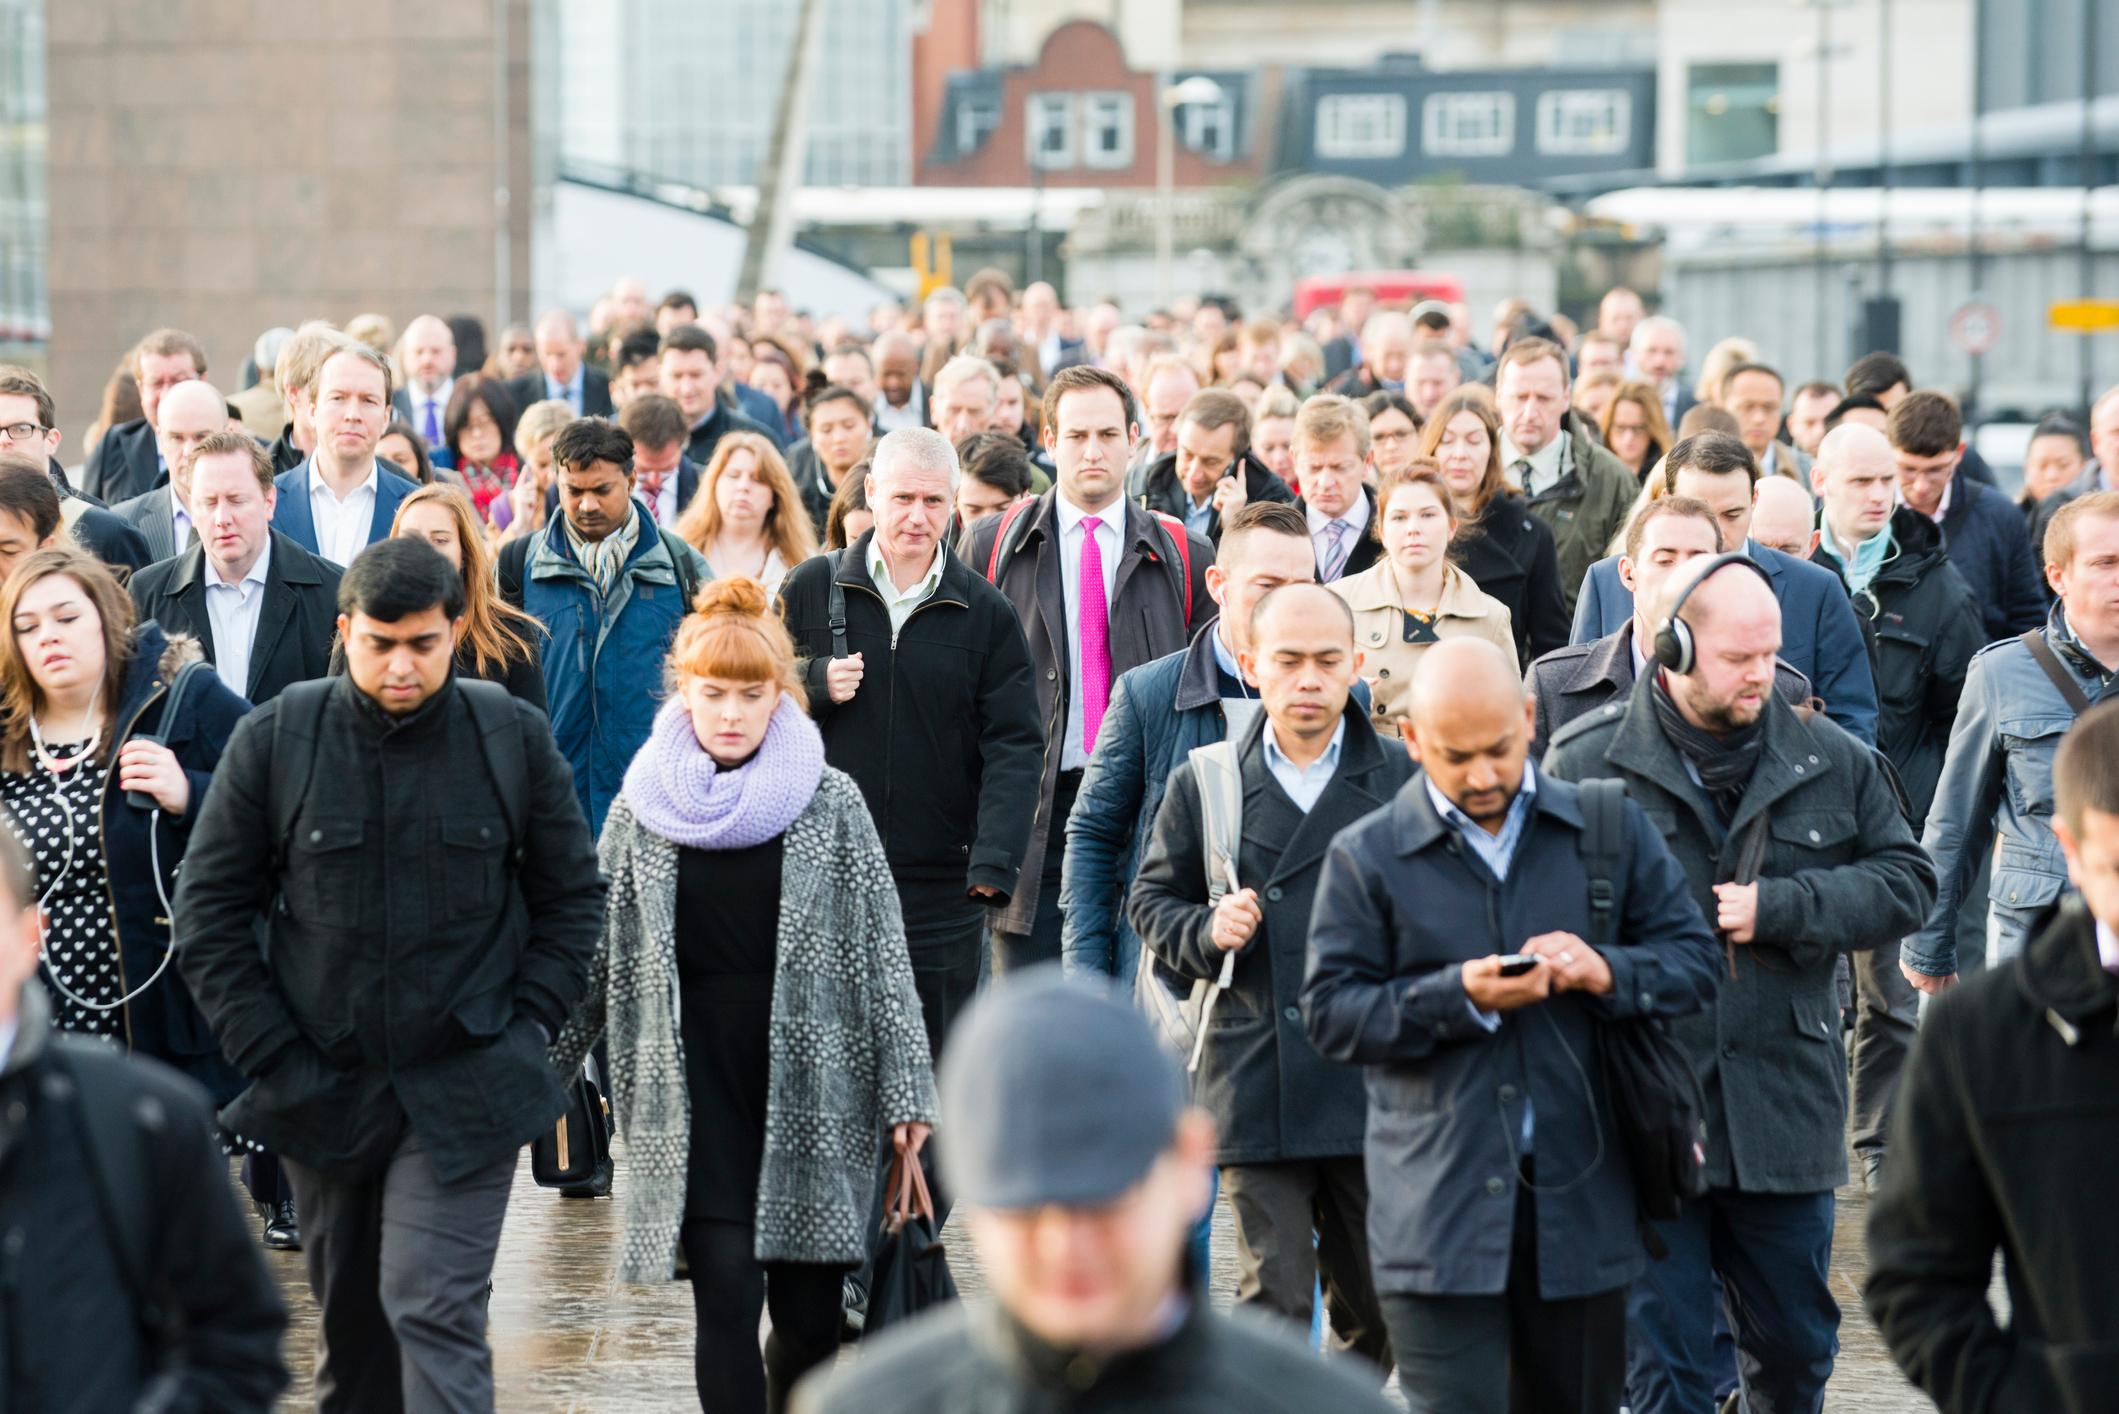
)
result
[(1515, 964)]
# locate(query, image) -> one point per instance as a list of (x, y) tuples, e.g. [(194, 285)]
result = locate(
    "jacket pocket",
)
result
[(1811, 837), (2026, 890), (323, 881), (473, 859), (2030, 744)]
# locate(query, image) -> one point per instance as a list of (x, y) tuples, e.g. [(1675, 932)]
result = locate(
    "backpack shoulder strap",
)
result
[(1003, 551), (1175, 529), (511, 565), (1220, 781), (681, 560), (299, 709), (1603, 837), (507, 753), (2049, 663), (180, 688), (109, 1118), (835, 603)]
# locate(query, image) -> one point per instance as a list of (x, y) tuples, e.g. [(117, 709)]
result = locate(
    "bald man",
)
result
[(1289, 1123), (1450, 955), (1783, 517), (191, 412), (560, 371), (1793, 843), (426, 352), (1923, 628)]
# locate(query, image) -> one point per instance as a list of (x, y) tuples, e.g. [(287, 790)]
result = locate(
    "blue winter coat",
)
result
[(603, 653), (1988, 544)]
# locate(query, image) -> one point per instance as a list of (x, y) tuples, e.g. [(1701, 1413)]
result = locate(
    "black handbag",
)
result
[(571, 1151), (1657, 1109), (911, 1270)]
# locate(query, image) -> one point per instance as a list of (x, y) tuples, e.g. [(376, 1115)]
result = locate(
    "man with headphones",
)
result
[(1795, 848)]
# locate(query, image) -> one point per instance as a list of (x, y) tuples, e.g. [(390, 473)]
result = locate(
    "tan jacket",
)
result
[(1379, 631)]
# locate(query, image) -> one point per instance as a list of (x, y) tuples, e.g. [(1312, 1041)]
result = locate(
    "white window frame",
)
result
[(1045, 113), (1192, 117), (977, 117), (1360, 125), (1442, 121), (1108, 111), (1561, 134)]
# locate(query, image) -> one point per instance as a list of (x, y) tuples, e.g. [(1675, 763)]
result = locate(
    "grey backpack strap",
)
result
[(1603, 837), (1220, 783), (835, 604)]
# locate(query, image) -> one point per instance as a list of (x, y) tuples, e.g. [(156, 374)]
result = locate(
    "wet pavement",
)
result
[(567, 1337)]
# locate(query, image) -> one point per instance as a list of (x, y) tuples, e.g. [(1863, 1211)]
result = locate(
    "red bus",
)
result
[(1392, 287)]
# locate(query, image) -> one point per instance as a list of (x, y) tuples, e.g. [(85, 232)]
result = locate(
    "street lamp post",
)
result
[(1169, 98)]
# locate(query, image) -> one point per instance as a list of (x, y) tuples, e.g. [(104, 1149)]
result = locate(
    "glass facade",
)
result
[(680, 91), (25, 304)]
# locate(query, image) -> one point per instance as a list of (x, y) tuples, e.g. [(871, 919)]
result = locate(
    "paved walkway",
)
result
[(567, 1338)]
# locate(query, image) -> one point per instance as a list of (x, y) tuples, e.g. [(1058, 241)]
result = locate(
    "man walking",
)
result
[(1924, 627), (1502, 1225), (431, 913), (342, 499), (1791, 840), (1983, 529), (1290, 1123), (1212, 474), (1101, 586), (191, 411), (1567, 478), (127, 461)]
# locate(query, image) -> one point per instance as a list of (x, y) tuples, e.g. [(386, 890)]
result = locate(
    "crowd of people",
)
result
[(1507, 817)]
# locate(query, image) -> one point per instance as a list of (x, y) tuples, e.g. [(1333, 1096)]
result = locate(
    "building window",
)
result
[(1361, 125), (1732, 112), (1051, 127), (1107, 130), (1468, 124), (1586, 122), (977, 115), (1209, 128)]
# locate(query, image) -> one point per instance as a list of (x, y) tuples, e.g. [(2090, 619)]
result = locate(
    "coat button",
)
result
[(1729, 1049), (1798, 770), (1496, 1187), (1383, 672), (1813, 760), (316, 837), (1050, 674), (1815, 837), (1273, 894), (1508, 1094), (1293, 1013), (485, 835), (1646, 1001)]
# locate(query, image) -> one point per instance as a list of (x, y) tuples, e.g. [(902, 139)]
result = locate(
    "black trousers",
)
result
[(730, 1288), (1277, 1207), (1515, 1352), (1012, 952), (944, 933)]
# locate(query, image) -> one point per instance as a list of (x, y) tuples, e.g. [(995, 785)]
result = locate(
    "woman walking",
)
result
[(754, 981), (747, 518), (1507, 551)]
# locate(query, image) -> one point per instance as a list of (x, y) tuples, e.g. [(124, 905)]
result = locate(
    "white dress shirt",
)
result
[(2107, 946), (179, 521), (419, 402), (233, 610), (889, 418), (342, 526), (572, 392), (1356, 518), (1072, 536), (1547, 465), (899, 603)]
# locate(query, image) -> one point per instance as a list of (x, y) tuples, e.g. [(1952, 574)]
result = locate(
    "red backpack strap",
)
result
[(1000, 538), (1175, 529)]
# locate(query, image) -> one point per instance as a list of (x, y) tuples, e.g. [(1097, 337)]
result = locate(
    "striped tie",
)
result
[(1335, 554)]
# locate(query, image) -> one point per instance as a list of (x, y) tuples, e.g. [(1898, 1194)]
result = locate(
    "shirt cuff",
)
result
[(1491, 1020)]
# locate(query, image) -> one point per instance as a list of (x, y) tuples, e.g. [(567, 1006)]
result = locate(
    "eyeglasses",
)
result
[(22, 431)]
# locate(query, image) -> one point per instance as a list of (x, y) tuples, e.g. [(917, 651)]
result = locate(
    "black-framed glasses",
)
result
[(22, 431)]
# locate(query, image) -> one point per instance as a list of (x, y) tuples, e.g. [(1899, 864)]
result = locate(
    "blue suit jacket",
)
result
[(291, 516), (1819, 635)]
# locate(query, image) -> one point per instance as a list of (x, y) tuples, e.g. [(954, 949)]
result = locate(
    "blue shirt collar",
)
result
[(1275, 758), (1456, 818)]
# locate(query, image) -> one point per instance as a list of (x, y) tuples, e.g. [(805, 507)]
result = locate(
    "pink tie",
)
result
[(1096, 635)]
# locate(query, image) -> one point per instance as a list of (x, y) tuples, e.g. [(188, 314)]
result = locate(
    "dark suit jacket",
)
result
[(718, 424), (296, 624), (103, 534), (1820, 637), (291, 517), (595, 391), (148, 513), (124, 463)]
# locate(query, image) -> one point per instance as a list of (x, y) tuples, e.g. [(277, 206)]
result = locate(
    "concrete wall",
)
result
[(226, 165)]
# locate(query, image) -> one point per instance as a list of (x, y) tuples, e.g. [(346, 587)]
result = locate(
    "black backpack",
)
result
[(1657, 1109)]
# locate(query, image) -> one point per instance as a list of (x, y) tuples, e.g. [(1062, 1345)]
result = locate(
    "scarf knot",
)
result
[(681, 793)]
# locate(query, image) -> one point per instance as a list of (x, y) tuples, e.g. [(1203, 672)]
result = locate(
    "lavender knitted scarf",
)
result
[(680, 793)]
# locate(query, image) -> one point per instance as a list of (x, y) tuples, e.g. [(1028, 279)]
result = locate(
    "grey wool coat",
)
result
[(848, 1052)]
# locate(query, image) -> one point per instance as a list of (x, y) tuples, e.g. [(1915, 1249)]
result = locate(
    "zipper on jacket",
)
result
[(890, 713)]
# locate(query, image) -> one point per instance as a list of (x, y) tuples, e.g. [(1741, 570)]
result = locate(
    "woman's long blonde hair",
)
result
[(20, 697), (787, 525), (496, 631)]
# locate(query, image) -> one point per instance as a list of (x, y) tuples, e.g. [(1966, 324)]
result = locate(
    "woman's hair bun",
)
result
[(739, 595)]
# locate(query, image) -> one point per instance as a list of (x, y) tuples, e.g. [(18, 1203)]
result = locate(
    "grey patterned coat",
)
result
[(848, 1052)]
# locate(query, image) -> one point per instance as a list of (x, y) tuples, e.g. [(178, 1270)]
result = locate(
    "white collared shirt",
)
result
[(9, 1029), (899, 603), (570, 393), (233, 610), (342, 526), (440, 400), (1072, 536), (179, 521), (2107, 950), (1942, 507), (1356, 520), (1547, 465), (890, 418), (1048, 351), (1304, 784)]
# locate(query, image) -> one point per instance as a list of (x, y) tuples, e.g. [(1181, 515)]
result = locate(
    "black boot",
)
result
[(282, 1232)]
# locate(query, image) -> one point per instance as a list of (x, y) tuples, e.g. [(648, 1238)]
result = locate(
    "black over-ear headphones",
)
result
[(1674, 648)]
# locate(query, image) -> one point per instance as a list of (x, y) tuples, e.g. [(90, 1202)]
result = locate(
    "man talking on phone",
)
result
[(1212, 474), (1447, 956)]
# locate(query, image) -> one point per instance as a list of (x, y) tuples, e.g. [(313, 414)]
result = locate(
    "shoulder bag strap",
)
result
[(2043, 655), (1220, 783)]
